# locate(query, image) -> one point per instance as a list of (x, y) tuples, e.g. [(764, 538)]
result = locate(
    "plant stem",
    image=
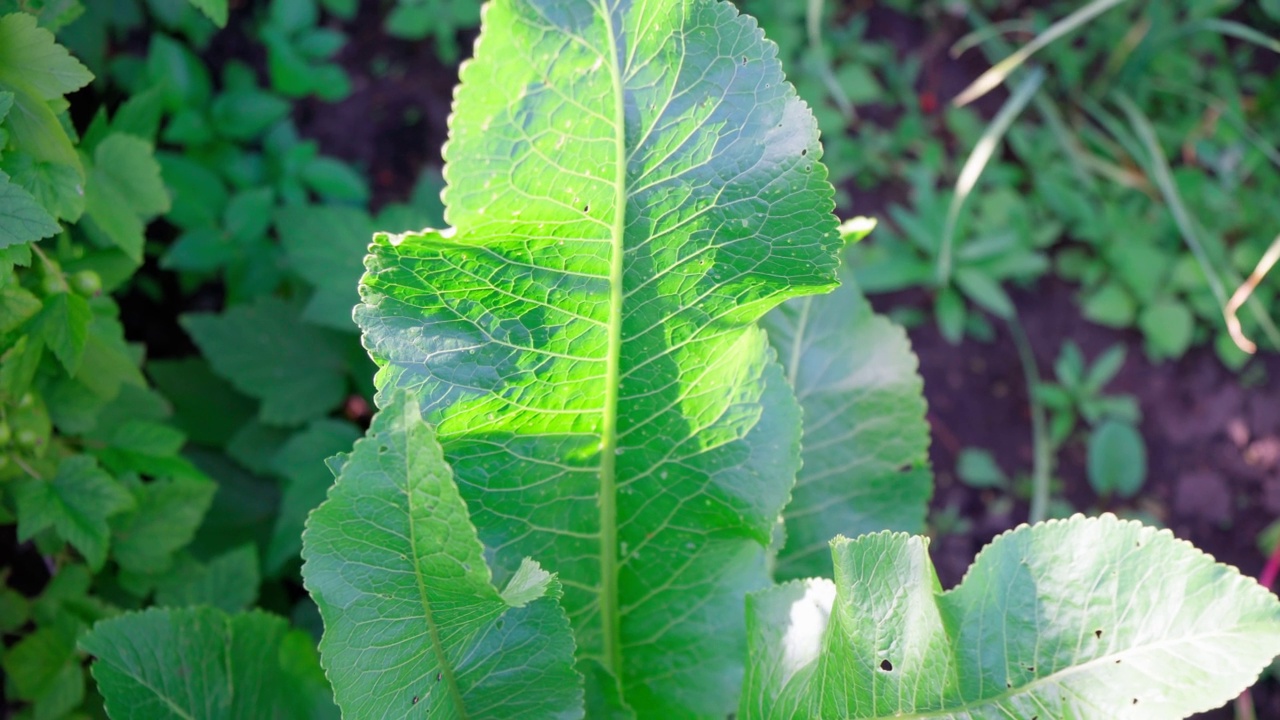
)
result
[(1041, 452)]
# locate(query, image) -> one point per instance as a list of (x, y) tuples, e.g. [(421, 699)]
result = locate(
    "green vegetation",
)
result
[(595, 449)]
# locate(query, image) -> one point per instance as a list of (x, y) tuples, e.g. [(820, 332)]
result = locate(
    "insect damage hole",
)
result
[(886, 666), (1097, 634)]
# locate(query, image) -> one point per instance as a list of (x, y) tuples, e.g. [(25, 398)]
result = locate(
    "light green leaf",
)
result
[(63, 324), (76, 504), (202, 663), (411, 614), (977, 468), (124, 190), (31, 59), (301, 463), (168, 513), (22, 218), (1117, 459), (866, 443), (57, 187), (1067, 620), (1168, 326), (215, 10), (630, 192), (297, 370)]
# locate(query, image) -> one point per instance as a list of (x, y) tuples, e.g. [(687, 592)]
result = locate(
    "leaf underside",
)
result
[(1069, 620), (631, 186)]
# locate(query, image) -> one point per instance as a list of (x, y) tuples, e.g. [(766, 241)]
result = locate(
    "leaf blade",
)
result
[(393, 490)]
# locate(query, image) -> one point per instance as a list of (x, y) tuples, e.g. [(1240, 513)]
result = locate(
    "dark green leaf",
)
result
[(202, 663), (296, 370), (167, 515), (63, 325), (301, 463)]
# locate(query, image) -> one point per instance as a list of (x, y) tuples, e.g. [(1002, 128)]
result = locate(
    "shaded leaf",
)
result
[(865, 447), (297, 370), (411, 615), (22, 219), (203, 663)]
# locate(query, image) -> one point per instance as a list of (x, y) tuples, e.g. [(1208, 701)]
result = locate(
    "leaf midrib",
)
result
[(609, 601), (433, 628)]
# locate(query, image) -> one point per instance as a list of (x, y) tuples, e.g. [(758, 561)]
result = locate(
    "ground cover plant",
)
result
[(642, 445)]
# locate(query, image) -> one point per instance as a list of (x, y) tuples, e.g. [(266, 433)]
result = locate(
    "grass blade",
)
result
[(1242, 294), (978, 160), (1159, 169), (996, 75)]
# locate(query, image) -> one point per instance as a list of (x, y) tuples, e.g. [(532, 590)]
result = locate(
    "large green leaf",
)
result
[(630, 191), (203, 663), (1068, 620), (413, 623), (866, 442)]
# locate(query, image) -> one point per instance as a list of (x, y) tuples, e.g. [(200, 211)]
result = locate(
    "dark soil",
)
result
[(1214, 446)]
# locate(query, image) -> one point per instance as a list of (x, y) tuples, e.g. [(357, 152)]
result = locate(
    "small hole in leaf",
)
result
[(804, 152), (886, 666), (1117, 662), (1008, 684), (1097, 634), (415, 700), (438, 677), (586, 208), (1031, 668), (744, 59), (1135, 701)]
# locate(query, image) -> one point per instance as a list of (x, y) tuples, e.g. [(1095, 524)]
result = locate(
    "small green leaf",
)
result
[(246, 114), (124, 190), (186, 80), (22, 218), (410, 610), (333, 179), (215, 10), (76, 504), (984, 290), (202, 663), (248, 214), (63, 325), (1079, 618), (31, 59), (166, 517), (977, 468), (1110, 305), (1168, 326), (1117, 459), (297, 370), (950, 312)]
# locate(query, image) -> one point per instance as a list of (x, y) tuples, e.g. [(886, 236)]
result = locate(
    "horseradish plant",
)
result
[(574, 500)]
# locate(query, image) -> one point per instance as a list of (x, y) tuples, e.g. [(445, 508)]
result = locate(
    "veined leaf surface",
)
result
[(413, 624), (631, 186), (866, 442), (1068, 620)]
